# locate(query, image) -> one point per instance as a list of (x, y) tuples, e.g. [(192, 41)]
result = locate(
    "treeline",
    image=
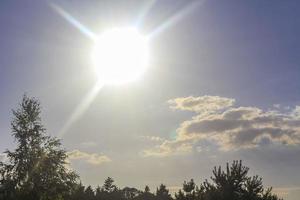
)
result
[(36, 170), (231, 184)]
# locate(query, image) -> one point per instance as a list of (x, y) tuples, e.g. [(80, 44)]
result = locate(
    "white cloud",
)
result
[(230, 128), (201, 104), (91, 158)]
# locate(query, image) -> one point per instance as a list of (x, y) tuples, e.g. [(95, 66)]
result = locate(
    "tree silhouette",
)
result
[(108, 185), (235, 184), (130, 193), (146, 194), (78, 193), (162, 193), (147, 189), (89, 193), (98, 193), (36, 168), (189, 191)]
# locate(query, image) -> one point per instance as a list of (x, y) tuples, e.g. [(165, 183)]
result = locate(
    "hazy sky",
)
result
[(222, 84)]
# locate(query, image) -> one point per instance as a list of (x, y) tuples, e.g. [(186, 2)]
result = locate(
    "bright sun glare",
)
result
[(120, 55)]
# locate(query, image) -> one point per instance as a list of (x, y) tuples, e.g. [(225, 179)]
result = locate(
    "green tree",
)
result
[(130, 193), (98, 193), (37, 167), (146, 194), (235, 184), (162, 193), (147, 189), (89, 193), (108, 185), (110, 191), (189, 191), (78, 193)]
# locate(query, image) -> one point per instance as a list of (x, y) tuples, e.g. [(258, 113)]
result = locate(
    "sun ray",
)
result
[(80, 109), (88, 99), (73, 21), (145, 11), (176, 17)]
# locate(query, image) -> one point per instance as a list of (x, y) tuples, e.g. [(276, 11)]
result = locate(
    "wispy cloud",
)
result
[(91, 158), (219, 123), (202, 104), (152, 138)]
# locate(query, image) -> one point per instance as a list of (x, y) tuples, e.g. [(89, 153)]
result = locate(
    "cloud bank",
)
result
[(91, 158), (217, 122)]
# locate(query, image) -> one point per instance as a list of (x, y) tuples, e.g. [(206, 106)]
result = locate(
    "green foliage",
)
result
[(189, 191), (37, 167), (235, 184), (162, 193), (109, 186), (146, 194), (130, 193)]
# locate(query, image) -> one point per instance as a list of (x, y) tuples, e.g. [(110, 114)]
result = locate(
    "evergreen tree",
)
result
[(147, 189), (146, 194), (78, 194), (162, 193), (130, 193), (108, 185), (110, 191), (89, 193), (235, 184), (98, 195), (189, 191)]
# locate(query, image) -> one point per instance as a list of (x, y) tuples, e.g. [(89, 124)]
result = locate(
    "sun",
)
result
[(120, 55)]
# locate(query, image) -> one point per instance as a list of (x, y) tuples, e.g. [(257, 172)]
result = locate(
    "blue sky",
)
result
[(246, 51)]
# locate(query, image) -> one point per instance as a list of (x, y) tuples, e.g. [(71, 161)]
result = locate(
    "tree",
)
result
[(98, 194), (130, 193), (146, 194), (230, 184), (162, 193), (37, 167), (78, 193), (235, 184), (89, 193), (108, 185), (110, 191), (189, 191), (147, 189)]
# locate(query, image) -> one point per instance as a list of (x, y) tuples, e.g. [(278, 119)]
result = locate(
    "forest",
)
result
[(38, 170)]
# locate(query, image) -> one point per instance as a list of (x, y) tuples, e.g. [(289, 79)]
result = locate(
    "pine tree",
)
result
[(235, 184), (108, 185), (189, 191), (130, 193), (146, 194), (162, 193), (89, 193)]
